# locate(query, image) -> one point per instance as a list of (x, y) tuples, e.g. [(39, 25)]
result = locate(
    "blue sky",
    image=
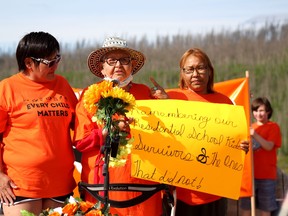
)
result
[(93, 20)]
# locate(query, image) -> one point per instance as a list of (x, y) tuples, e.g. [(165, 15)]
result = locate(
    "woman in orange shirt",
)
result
[(37, 109), (196, 84), (114, 61)]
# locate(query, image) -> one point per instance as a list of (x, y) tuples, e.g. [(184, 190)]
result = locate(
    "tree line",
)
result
[(263, 52)]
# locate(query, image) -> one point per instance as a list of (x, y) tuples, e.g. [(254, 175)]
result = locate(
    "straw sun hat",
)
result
[(113, 43)]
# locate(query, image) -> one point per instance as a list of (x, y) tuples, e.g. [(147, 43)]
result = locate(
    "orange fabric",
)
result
[(189, 196), (191, 96), (88, 140), (265, 162), (77, 92), (77, 177), (77, 174), (238, 91), (37, 149)]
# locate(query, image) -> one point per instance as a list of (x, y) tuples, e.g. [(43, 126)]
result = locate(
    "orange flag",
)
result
[(238, 91)]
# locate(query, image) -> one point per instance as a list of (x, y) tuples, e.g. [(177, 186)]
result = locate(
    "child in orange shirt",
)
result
[(267, 135)]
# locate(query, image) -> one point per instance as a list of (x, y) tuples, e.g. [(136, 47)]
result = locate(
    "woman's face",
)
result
[(117, 65), (45, 70), (261, 115), (195, 75)]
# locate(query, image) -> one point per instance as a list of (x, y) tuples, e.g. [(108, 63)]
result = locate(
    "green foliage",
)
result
[(78, 78), (282, 162), (169, 79), (26, 213)]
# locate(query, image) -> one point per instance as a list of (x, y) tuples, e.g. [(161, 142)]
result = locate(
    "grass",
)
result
[(282, 163)]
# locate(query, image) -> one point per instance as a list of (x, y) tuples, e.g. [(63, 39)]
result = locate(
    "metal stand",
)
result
[(105, 171), (109, 149)]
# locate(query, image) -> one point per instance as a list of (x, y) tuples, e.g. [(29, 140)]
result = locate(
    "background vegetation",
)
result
[(263, 52)]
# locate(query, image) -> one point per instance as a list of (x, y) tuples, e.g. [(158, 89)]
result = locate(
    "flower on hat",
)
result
[(108, 106)]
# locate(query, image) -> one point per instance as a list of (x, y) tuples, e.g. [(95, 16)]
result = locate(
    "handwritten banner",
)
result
[(194, 145)]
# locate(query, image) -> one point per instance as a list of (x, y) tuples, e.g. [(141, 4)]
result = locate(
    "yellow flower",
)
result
[(94, 212), (84, 206), (120, 93), (107, 104), (70, 209), (93, 94), (55, 214)]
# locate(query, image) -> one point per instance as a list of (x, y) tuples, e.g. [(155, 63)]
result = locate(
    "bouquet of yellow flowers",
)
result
[(108, 105), (73, 207)]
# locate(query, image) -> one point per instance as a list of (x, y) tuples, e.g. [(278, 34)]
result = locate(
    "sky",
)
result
[(93, 20)]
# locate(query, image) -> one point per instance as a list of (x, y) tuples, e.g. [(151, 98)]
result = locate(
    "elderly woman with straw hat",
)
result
[(114, 61)]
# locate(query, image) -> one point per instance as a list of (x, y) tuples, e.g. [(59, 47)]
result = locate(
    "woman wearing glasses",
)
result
[(36, 113), (196, 84), (114, 61)]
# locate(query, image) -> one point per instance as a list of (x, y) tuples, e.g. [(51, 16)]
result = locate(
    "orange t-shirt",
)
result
[(88, 140), (35, 119), (265, 162), (189, 196)]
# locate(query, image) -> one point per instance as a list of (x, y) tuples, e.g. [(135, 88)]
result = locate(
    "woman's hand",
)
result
[(6, 193), (124, 126), (157, 91), (244, 145)]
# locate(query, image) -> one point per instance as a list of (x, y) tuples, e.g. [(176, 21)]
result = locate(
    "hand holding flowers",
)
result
[(108, 106)]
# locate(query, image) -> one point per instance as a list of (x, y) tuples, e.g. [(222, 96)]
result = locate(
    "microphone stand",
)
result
[(105, 171), (109, 149)]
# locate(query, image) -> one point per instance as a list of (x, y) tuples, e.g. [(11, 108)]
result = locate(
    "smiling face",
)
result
[(261, 115), (38, 71), (195, 74), (262, 110), (121, 66)]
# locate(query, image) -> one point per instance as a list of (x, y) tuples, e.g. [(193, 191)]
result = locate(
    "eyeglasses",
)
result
[(49, 63), (113, 61), (200, 69)]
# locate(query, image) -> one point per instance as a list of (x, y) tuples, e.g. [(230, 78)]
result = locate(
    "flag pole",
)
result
[(252, 198)]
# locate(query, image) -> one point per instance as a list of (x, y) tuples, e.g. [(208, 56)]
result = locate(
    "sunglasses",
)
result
[(49, 63)]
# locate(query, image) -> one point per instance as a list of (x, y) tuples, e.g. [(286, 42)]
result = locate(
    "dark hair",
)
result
[(35, 44), (262, 101), (203, 57)]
